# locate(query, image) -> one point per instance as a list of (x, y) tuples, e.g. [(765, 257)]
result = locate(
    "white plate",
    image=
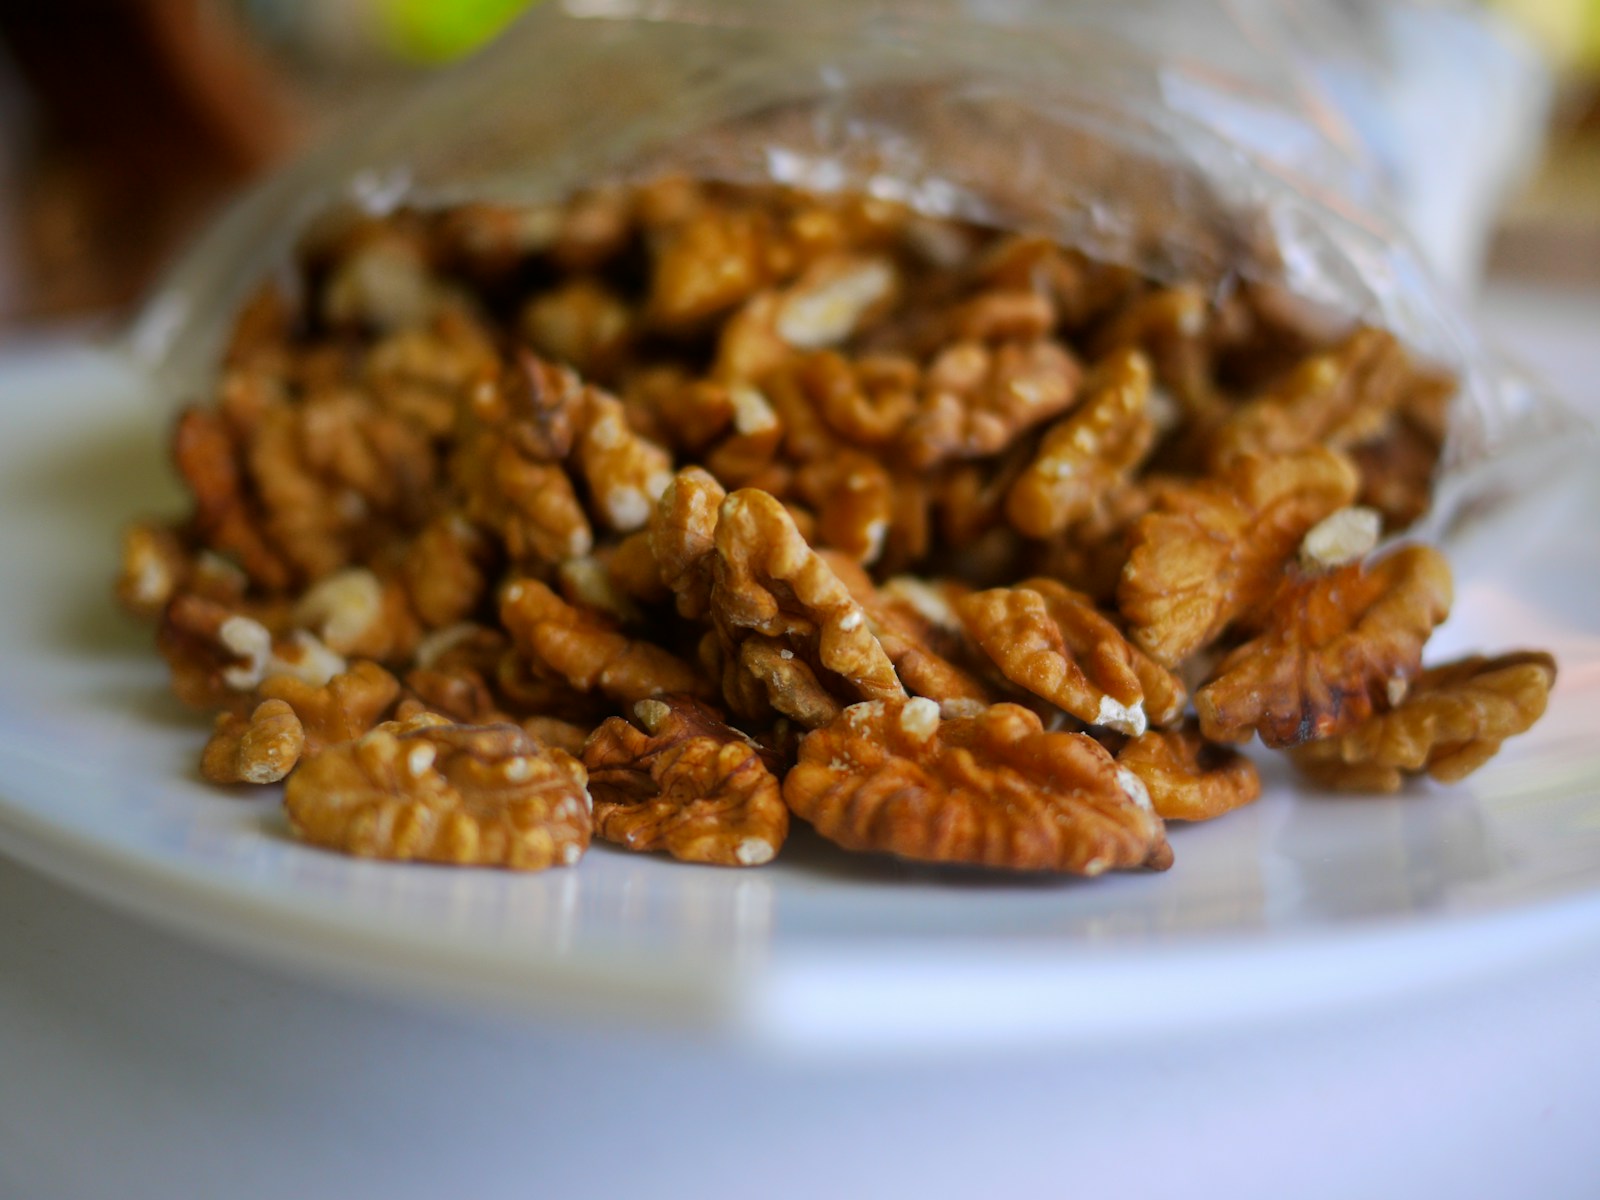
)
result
[(1298, 902)]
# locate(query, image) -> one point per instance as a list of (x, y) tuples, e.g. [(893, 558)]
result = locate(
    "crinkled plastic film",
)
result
[(1182, 137)]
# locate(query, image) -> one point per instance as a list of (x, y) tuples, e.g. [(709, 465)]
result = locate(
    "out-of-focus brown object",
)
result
[(148, 113), (1551, 231)]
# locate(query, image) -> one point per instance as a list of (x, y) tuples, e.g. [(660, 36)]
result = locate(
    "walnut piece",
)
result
[(262, 748), (683, 537), (992, 789), (1450, 723), (1339, 400), (767, 580), (1336, 646), (975, 399), (1053, 642), (1189, 778), (587, 651), (1213, 552), (855, 474), (344, 707), (1088, 453), (687, 783), (154, 565), (426, 790)]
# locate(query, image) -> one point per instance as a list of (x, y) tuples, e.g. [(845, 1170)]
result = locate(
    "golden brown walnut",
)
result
[(1337, 646), (1053, 642), (1089, 453), (154, 565), (767, 580), (916, 624), (581, 323), (333, 473), (204, 450), (975, 399), (261, 748), (443, 570), (686, 783), (428, 375), (625, 473), (536, 404), (852, 495), (994, 790), (788, 684), (530, 505), (1082, 290), (217, 653), (717, 259), (1189, 778), (1212, 553), (633, 571), (345, 707), (1340, 399), (683, 537), (587, 583), (425, 790), (558, 734), (834, 300), (866, 401), (586, 650), (1090, 554), (463, 695), (1003, 316), (746, 454), (1450, 723), (356, 614), (1172, 327)]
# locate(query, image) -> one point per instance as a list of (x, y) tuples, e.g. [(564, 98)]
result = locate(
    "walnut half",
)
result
[(993, 789), (1451, 722), (429, 791), (687, 783)]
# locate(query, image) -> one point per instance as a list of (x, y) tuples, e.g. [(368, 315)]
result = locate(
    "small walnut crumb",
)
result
[(920, 718), (1340, 538)]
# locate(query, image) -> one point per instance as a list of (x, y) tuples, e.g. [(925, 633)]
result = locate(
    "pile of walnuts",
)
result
[(680, 509)]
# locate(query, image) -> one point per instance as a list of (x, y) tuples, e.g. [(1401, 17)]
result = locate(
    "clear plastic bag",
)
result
[(1190, 139)]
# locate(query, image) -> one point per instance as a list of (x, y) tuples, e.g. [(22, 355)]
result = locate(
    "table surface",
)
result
[(134, 1065)]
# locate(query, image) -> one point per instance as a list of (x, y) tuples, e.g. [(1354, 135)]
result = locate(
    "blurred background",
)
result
[(124, 124)]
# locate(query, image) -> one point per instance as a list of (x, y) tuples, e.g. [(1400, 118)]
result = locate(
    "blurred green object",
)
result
[(1567, 30), (436, 31)]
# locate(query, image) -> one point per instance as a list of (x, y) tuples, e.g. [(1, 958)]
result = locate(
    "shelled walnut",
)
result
[(762, 503)]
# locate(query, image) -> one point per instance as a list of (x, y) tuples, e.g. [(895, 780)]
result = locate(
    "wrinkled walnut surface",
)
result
[(993, 790), (1452, 721), (686, 783), (759, 501), (426, 790)]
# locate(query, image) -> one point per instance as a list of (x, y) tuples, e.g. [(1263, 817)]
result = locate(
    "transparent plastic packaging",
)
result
[(1190, 139)]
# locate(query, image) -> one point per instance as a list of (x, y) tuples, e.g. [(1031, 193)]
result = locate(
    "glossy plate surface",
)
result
[(1302, 901)]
